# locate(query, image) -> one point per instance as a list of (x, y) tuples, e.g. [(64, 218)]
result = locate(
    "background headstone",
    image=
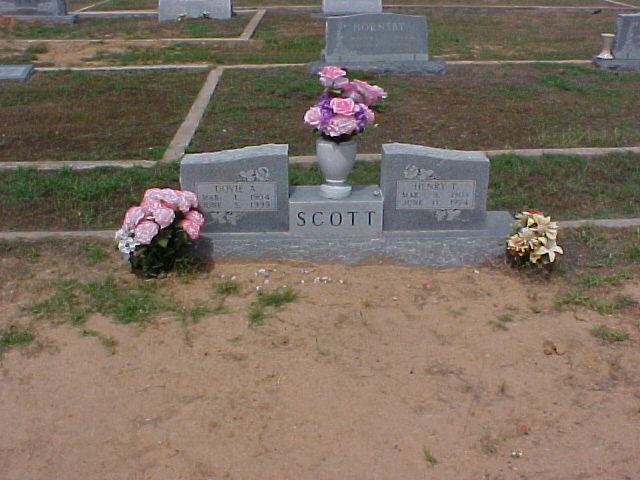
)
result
[(626, 45), (378, 42), (173, 9), (627, 42), (333, 7), (433, 189), (37, 10), (19, 73), (243, 190)]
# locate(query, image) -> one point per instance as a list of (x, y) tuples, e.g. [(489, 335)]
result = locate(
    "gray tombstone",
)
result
[(378, 42), (173, 9), (340, 7), (17, 73), (626, 46), (243, 190), (433, 189), (37, 10), (311, 214)]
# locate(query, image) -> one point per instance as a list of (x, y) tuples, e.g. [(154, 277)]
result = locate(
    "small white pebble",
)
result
[(476, 272), (301, 281), (341, 281), (233, 278), (395, 298), (266, 281), (258, 288)]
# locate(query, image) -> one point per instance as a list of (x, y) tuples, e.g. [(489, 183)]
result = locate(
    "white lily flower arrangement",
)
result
[(533, 239)]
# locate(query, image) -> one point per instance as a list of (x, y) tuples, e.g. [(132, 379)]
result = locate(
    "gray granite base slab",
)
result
[(16, 73), (618, 64), (62, 19), (441, 248), (435, 67)]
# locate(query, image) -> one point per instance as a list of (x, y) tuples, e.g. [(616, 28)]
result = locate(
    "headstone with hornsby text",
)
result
[(379, 42)]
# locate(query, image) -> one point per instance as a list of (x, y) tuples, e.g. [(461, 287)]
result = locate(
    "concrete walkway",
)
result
[(109, 234)]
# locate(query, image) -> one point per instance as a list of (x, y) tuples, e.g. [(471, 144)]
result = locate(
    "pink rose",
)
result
[(343, 106), (331, 72), (341, 125), (333, 77), (362, 92), (313, 117), (186, 200), (149, 205), (133, 217), (195, 217), (145, 231), (368, 114), (193, 230), (169, 196), (163, 216)]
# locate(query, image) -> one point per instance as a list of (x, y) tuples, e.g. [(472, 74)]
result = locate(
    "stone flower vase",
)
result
[(336, 161), (607, 45)]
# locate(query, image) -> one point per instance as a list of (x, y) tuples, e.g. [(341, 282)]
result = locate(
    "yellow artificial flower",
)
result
[(517, 244), (548, 247)]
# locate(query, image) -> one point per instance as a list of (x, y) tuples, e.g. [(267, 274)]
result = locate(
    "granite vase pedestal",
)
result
[(428, 210)]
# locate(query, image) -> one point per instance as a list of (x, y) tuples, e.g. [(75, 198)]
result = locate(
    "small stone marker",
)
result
[(244, 190), (311, 214), (169, 10), (337, 7), (626, 46), (18, 73), (37, 10), (431, 188), (378, 42)]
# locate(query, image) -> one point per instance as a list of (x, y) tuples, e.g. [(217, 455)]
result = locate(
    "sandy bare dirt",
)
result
[(363, 379)]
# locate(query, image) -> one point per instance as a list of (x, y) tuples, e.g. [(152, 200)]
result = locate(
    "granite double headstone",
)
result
[(378, 42), (626, 45), (339, 7), (174, 9), (430, 209)]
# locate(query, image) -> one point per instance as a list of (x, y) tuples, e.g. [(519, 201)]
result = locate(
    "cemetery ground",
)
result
[(474, 372), (472, 107), (293, 37)]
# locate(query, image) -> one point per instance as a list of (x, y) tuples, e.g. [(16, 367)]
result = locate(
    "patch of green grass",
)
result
[(267, 301), (27, 55), (109, 343), (63, 306), (94, 116), (72, 301), (596, 280), (608, 334), (428, 457), (500, 323), (94, 253), (122, 303), (14, 336), (227, 287), (602, 305)]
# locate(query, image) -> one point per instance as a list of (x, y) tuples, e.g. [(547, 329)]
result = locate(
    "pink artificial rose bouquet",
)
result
[(345, 108), (155, 235)]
